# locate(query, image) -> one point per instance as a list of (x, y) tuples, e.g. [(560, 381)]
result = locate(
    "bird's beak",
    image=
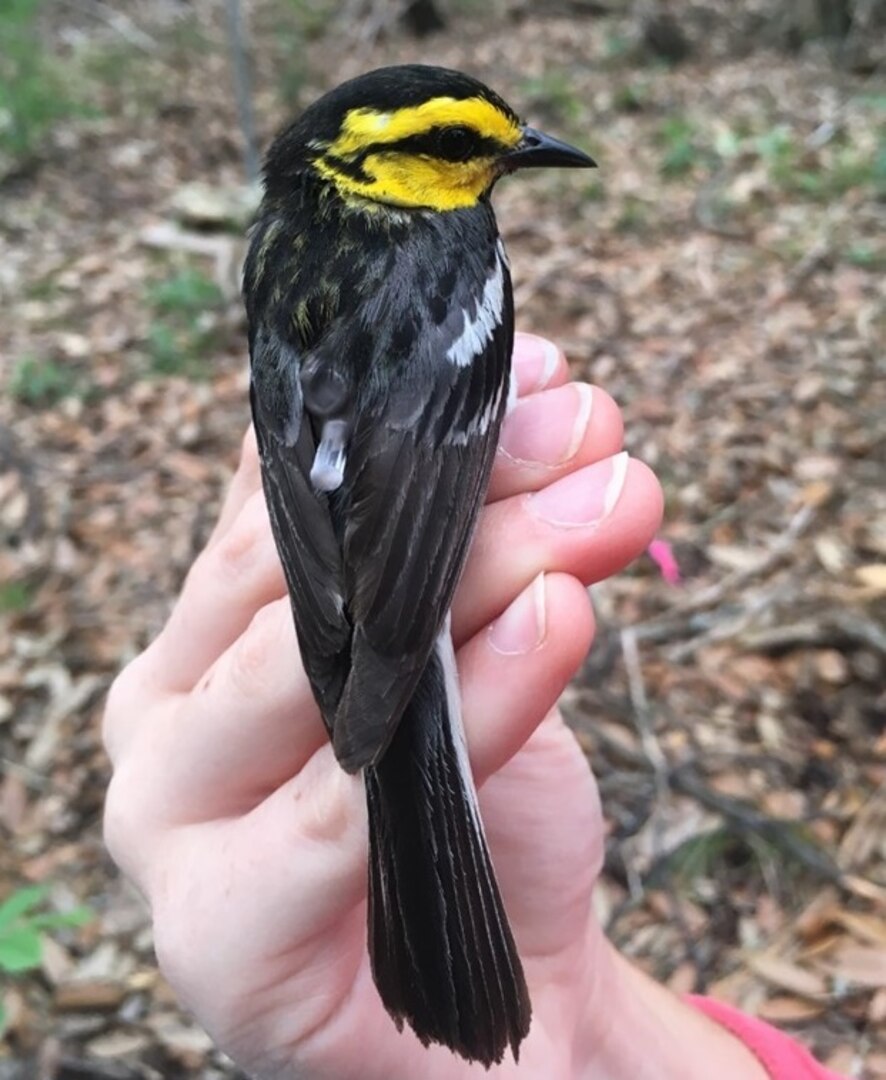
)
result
[(536, 148)]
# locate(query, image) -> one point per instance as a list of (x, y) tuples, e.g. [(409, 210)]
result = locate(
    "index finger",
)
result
[(538, 365)]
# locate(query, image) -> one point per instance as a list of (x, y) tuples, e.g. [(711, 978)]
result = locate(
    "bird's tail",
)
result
[(443, 956)]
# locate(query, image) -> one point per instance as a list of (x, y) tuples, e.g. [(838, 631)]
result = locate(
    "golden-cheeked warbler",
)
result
[(380, 331)]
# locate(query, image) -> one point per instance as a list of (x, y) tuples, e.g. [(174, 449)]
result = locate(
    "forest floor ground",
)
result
[(721, 275)]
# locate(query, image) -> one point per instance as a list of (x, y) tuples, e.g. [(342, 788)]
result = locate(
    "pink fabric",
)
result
[(780, 1056)]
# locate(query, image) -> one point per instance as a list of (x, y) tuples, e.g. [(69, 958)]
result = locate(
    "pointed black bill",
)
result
[(536, 148)]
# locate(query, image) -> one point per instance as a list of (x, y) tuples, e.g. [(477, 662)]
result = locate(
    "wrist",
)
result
[(636, 1029)]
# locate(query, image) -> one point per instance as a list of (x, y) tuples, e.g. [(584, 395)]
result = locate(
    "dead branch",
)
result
[(680, 622), (13, 458)]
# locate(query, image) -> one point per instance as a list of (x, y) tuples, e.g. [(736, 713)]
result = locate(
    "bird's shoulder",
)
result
[(380, 296)]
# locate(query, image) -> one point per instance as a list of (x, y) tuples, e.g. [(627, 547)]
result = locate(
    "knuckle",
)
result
[(114, 709), (237, 551), (120, 702), (122, 822), (253, 655)]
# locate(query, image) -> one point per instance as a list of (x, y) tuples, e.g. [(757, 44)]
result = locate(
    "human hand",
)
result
[(229, 811)]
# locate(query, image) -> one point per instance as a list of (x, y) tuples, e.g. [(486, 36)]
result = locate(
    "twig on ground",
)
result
[(119, 22), (728, 625), (833, 629), (747, 819), (648, 739), (12, 457), (814, 259), (680, 622), (243, 90)]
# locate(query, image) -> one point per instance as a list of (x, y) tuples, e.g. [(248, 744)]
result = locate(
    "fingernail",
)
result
[(539, 359), (529, 435), (522, 626), (585, 497)]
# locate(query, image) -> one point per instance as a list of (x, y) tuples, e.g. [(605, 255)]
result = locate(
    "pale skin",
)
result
[(229, 812)]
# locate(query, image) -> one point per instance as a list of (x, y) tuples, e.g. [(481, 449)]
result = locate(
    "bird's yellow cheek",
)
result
[(406, 180)]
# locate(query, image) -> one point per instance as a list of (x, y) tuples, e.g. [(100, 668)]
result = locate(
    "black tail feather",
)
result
[(443, 956)]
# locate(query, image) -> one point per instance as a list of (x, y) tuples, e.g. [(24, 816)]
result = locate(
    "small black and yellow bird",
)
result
[(380, 330)]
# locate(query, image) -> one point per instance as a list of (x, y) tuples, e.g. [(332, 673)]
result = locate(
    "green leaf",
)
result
[(56, 919), (41, 382), (727, 143), (15, 596), (188, 292), (20, 903), (21, 950)]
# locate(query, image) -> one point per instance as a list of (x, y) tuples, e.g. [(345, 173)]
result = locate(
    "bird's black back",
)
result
[(380, 298)]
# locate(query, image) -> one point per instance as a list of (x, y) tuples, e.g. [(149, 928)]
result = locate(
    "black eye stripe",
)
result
[(352, 167), (433, 143)]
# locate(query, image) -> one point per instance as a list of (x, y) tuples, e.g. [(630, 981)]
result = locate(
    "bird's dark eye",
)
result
[(455, 143)]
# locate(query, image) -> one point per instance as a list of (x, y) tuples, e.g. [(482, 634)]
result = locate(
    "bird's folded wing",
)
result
[(300, 519), (418, 477)]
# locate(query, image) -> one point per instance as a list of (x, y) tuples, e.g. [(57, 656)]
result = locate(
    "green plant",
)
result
[(677, 136), (775, 852), (821, 174), (593, 190), (187, 292), (866, 255), (15, 596), (776, 147), (23, 922), (617, 46), (184, 329), (293, 25), (631, 97), (137, 80), (40, 381), (554, 96), (170, 354), (633, 216), (33, 92), (311, 18)]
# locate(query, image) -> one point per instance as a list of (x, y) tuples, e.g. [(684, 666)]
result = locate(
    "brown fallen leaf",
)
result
[(873, 577), (876, 1066), (784, 1009), (844, 1060), (858, 965), (866, 927), (877, 1008), (788, 976), (92, 996)]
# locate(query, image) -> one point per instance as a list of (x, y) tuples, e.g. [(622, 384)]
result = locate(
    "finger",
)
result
[(253, 722), (590, 524), (538, 364), (522, 809), (513, 671), (246, 727), (511, 675), (241, 574), (229, 582), (239, 571), (551, 433), (245, 482), (295, 874)]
